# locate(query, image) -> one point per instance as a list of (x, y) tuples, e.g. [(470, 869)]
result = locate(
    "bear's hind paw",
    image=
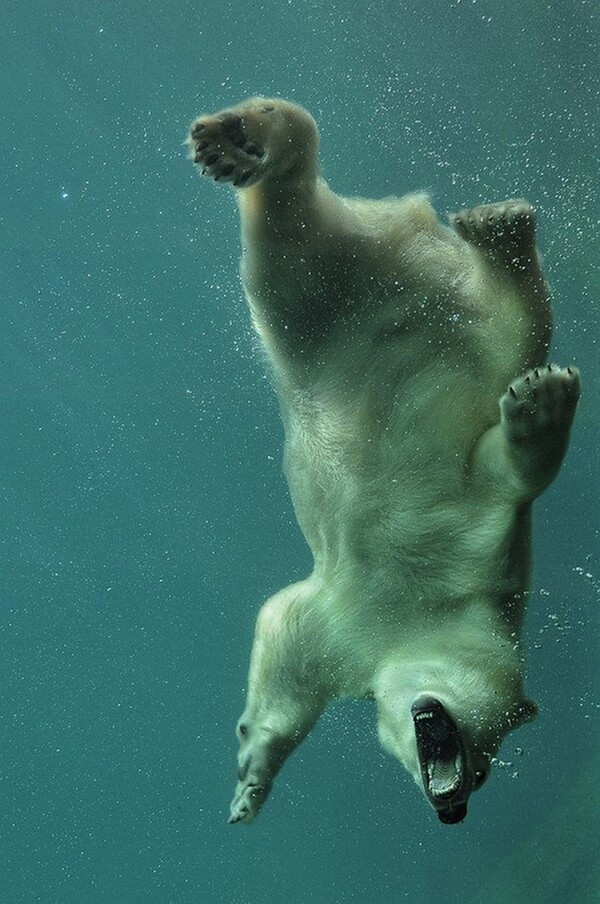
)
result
[(221, 146), (506, 231)]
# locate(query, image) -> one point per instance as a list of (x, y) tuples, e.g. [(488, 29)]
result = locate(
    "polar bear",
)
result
[(412, 467)]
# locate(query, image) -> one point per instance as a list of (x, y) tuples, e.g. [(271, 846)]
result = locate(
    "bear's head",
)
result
[(445, 724)]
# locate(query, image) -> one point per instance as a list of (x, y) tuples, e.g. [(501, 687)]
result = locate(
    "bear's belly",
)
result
[(412, 518)]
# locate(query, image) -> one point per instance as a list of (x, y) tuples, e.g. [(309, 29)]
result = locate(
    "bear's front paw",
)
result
[(248, 799), (222, 146), (541, 402)]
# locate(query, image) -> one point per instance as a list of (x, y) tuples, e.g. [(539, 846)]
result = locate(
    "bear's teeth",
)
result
[(443, 784)]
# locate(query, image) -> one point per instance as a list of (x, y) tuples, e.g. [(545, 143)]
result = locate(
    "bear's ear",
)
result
[(524, 711)]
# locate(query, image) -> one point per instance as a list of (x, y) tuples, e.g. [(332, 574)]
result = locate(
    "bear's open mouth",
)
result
[(442, 759)]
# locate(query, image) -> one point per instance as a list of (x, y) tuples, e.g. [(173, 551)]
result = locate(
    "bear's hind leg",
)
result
[(502, 237), (222, 146), (257, 140)]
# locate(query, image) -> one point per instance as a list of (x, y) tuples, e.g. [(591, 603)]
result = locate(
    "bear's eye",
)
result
[(479, 779)]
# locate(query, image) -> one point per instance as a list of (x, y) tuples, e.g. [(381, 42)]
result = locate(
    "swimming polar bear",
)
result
[(412, 468)]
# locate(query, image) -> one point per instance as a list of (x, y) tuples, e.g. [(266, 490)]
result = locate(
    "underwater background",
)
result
[(143, 512)]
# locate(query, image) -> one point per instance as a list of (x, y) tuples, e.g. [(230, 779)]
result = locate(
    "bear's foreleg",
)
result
[(285, 698), (525, 450), (537, 412)]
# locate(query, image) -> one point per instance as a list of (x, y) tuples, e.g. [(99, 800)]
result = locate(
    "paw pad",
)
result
[(543, 398), (507, 227), (221, 146)]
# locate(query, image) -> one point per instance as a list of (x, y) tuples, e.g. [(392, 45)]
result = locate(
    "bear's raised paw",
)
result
[(222, 146), (260, 140), (505, 230)]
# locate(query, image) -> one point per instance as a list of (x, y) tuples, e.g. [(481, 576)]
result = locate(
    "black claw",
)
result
[(512, 392), (537, 373), (569, 371)]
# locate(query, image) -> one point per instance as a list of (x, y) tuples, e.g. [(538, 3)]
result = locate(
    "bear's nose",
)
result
[(452, 815)]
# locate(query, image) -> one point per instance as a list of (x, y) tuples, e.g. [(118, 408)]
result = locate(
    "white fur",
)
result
[(391, 340)]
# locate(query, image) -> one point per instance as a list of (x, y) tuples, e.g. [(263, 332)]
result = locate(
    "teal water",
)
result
[(143, 515)]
